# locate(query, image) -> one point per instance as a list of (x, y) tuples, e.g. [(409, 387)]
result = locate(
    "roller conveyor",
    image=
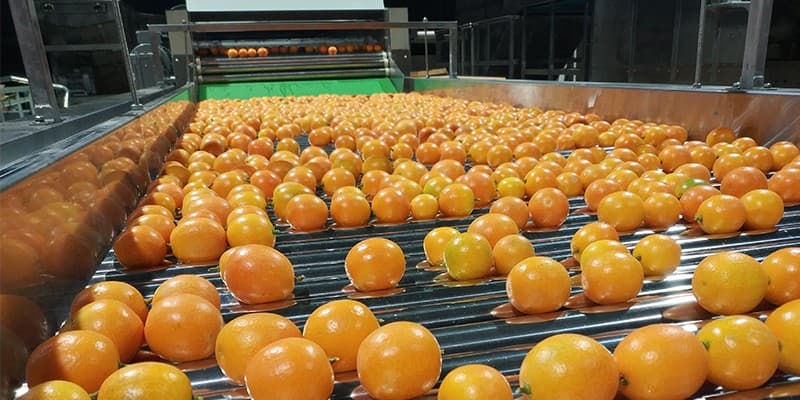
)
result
[(272, 68), (472, 320)]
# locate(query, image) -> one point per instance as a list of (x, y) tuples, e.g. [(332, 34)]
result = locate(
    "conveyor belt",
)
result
[(472, 320), (358, 65)]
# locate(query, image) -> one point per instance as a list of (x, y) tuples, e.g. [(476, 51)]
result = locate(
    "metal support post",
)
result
[(488, 53), (473, 47), (425, 41), (453, 51), (755, 44), (511, 48), (632, 48), (126, 55), (34, 58), (698, 63), (551, 51), (523, 57), (158, 68), (676, 35)]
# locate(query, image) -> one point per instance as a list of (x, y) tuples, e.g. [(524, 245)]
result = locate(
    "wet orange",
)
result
[(474, 382), (538, 285), (721, 214), (590, 233), (493, 227), (729, 283), (783, 272), (509, 251), (288, 369), (741, 180), (468, 256), (114, 320), (569, 366), (611, 277), (256, 274), (198, 240), (784, 323), (661, 361), (244, 336), (190, 284), (658, 254), (434, 243), (339, 327), (548, 208), (375, 264), (622, 210), (514, 208), (146, 380), (114, 290), (763, 209), (183, 327), (139, 247)]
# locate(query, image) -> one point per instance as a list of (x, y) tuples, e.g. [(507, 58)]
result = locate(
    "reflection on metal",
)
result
[(26, 81), (34, 59), (755, 45), (425, 42), (123, 40), (767, 117)]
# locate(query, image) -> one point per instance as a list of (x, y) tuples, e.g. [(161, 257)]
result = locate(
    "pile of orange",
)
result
[(239, 172)]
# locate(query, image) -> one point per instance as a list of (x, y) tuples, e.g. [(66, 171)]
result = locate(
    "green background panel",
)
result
[(246, 90)]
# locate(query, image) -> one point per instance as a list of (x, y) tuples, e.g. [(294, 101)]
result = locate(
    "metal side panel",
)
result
[(246, 90), (766, 115)]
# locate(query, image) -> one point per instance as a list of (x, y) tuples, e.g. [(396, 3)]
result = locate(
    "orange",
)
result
[(245, 335), (742, 352), (164, 225), (783, 272), (375, 264), (693, 197), (727, 163), (306, 212), (183, 327), (599, 247), (786, 183), (456, 200), (661, 361), (590, 233), (658, 254), (385, 355), (598, 189), (82, 357), (390, 206), (569, 366), (721, 214), (424, 206), (661, 210), (434, 243), (146, 380), (482, 186), (283, 193), (741, 180), (348, 210), (611, 277), (139, 247), (468, 256), (114, 290), (783, 153), (729, 283), (622, 210), (511, 186), (198, 240), (763, 209), (339, 327), (187, 283), (474, 382), (538, 285), (720, 135), (256, 274), (250, 229), (512, 207), (784, 323), (287, 369), (56, 390), (510, 250), (548, 207), (493, 227), (114, 320)]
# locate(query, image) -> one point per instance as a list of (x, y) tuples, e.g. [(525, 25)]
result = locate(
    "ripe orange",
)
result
[(784, 323), (306, 212), (83, 357), (721, 214), (198, 240), (424, 206), (763, 209), (729, 283), (139, 247), (693, 197), (339, 327), (146, 380), (590, 233), (741, 180), (349, 210), (742, 352), (493, 227), (661, 210), (250, 229), (549, 207), (786, 183), (435, 242), (183, 327), (114, 320), (512, 207), (598, 189), (114, 290), (611, 277), (187, 283), (456, 200), (661, 361), (474, 382), (256, 274), (509, 251), (658, 254), (720, 135), (245, 335), (390, 206), (375, 264), (290, 368), (622, 210), (164, 225), (385, 355), (569, 366), (783, 272), (538, 285), (468, 256), (56, 390)]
